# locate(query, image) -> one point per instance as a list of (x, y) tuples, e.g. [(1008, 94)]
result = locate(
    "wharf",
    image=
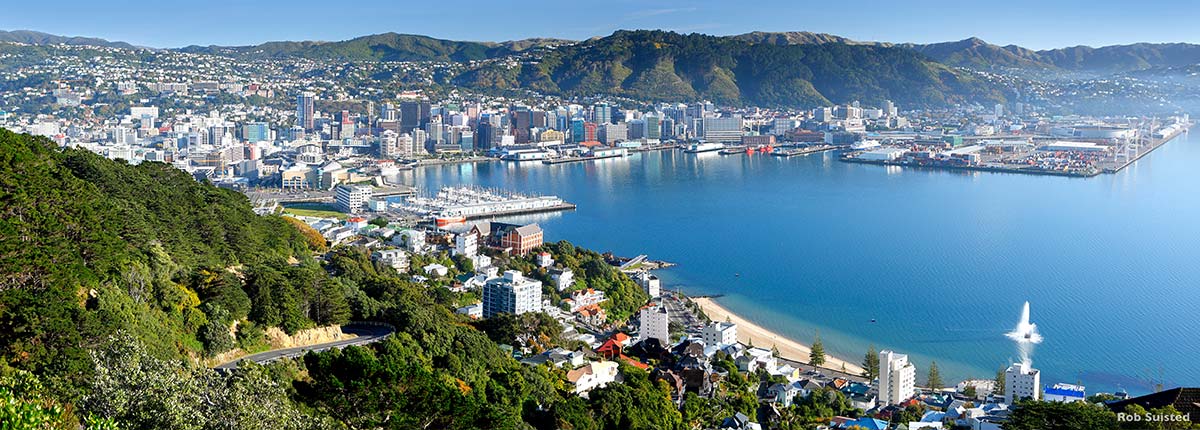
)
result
[(994, 169), (1142, 153), (733, 150), (561, 160), (648, 148), (802, 151), (556, 208)]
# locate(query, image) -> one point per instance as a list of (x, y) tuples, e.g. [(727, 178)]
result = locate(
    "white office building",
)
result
[(1022, 381), (897, 378), (720, 334), (723, 129), (655, 324), (352, 198), (511, 294)]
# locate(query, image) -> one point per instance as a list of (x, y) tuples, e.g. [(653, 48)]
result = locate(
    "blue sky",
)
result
[(1034, 24)]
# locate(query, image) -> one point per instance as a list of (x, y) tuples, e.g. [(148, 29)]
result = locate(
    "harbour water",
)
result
[(942, 261)]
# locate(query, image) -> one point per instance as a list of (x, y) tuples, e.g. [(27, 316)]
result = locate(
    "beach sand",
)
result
[(751, 333)]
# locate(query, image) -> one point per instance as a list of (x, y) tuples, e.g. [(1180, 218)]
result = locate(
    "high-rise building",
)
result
[(511, 294), (654, 323), (346, 129), (352, 198), (388, 145), (1022, 381), (485, 136), (414, 115), (304, 110), (613, 133), (653, 127), (889, 109), (823, 114), (999, 110), (577, 132), (601, 113), (727, 129), (590, 133), (897, 378), (389, 112), (256, 132)]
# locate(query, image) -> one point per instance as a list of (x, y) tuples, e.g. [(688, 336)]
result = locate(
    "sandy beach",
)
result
[(751, 333)]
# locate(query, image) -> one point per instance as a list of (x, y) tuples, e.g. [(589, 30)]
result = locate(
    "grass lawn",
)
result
[(322, 210)]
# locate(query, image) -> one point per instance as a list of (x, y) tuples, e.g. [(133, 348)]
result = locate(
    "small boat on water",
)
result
[(696, 148)]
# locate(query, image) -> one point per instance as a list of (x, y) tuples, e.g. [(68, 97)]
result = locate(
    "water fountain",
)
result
[(1026, 336)]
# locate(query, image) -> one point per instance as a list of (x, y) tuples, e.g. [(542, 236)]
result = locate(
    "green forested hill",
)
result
[(667, 66), (377, 47), (118, 278), (89, 246)]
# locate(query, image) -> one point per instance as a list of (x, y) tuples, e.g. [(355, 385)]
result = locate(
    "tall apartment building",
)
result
[(1022, 381), (511, 294), (305, 111), (897, 378), (655, 323)]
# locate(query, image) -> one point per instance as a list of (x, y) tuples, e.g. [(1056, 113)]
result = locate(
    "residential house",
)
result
[(756, 358), (473, 310), (563, 278), (395, 258), (436, 270), (592, 375), (739, 422), (583, 298)]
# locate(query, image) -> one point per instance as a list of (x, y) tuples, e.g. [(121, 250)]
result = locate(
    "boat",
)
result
[(443, 221), (696, 148)]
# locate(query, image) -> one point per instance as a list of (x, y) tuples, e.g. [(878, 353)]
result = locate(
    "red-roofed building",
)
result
[(610, 349)]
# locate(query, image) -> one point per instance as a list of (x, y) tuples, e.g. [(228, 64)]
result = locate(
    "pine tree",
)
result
[(935, 377), (871, 363), (999, 390), (817, 356)]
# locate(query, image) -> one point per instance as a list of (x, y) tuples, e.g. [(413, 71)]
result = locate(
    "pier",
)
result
[(780, 152), (1154, 144)]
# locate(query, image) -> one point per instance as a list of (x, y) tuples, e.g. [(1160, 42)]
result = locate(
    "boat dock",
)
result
[(572, 159), (781, 152)]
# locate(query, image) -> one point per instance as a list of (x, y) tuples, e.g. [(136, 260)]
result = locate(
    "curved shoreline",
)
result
[(751, 333)]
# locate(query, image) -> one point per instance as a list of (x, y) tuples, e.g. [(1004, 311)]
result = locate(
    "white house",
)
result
[(396, 258), (756, 358), (474, 310), (545, 260), (436, 270), (563, 278), (593, 375)]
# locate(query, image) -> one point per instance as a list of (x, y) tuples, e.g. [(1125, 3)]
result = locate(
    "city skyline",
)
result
[(1034, 25)]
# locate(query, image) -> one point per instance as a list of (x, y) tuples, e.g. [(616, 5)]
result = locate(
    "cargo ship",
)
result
[(696, 148)]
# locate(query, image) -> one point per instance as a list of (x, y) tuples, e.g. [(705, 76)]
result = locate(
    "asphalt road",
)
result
[(365, 334)]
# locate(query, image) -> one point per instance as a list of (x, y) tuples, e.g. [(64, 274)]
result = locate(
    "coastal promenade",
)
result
[(751, 333)]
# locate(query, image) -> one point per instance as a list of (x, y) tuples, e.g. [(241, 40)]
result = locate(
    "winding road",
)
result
[(366, 333)]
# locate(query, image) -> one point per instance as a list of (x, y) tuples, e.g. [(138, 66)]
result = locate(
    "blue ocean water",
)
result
[(941, 260)]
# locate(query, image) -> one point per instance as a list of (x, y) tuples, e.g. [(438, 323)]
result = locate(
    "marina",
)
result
[(459, 204)]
